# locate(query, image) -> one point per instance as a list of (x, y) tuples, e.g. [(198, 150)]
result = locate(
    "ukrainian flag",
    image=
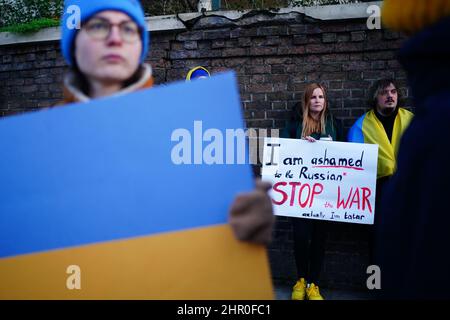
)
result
[(89, 196), (369, 129)]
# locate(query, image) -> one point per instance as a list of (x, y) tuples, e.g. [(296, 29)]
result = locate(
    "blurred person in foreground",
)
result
[(412, 248), (106, 57)]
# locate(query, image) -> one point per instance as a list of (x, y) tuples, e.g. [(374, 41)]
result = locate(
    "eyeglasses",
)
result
[(100, 29)]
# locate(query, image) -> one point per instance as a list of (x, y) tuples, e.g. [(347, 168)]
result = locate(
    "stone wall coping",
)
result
[(178, 22)]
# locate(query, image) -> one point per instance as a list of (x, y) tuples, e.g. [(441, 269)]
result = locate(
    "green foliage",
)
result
[(31, 26), (253, 4), (14, 12), (31, 15), (309, 3), (165, 7)]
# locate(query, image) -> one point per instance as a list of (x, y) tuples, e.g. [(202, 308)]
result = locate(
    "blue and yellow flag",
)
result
[(369, 129), (93, 205)]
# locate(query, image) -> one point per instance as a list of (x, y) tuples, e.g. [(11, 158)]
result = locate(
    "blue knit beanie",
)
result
[(87, 9)]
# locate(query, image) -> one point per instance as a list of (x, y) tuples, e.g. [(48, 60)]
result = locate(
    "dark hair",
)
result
[(379, 86), (81, 79)]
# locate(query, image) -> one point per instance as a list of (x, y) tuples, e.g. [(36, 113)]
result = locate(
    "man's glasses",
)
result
[(100, 29)]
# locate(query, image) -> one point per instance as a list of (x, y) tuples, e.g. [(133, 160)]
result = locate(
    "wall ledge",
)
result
[(185, 21)]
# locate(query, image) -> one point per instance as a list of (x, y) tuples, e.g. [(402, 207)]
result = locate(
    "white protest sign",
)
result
[(322, 180)]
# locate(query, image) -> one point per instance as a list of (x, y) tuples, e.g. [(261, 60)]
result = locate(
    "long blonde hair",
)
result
[(311, 125)]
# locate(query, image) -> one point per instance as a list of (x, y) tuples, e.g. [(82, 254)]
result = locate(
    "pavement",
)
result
[(284, 291)]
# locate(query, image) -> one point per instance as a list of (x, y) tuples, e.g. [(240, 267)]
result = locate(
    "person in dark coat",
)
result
[(383, 125), (412, 247)]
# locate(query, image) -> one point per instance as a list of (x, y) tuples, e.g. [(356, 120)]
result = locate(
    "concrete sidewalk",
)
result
[(283, 292)]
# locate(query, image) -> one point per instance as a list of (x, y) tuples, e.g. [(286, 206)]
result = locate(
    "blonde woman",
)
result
[(311, 121)]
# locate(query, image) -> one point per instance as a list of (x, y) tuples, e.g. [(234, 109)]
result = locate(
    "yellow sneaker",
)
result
[(299, 291), (312, 292)]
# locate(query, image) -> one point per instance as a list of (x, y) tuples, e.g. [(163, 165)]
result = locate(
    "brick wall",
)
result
[(274, 56)]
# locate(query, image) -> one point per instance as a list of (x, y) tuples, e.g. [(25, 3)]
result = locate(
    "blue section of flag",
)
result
[(355, 134), (101, 171)]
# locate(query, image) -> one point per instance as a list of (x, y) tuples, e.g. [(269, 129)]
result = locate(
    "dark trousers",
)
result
[(374, 231), (309, 247)]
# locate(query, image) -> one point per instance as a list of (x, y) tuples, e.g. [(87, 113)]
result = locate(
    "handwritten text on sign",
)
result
[(322, 180)]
